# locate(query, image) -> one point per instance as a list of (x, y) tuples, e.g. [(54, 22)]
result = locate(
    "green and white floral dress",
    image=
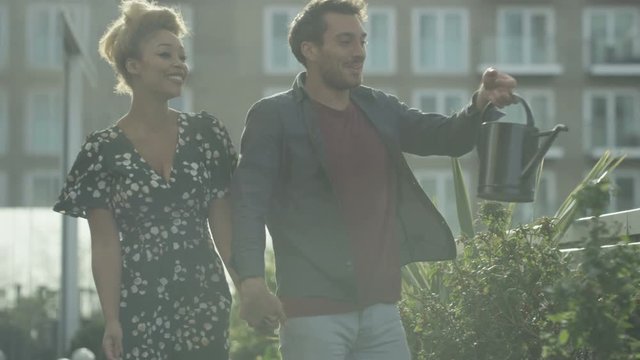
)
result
[(174, 296)]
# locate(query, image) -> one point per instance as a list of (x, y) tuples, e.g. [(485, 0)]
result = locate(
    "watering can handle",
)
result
[(527, 110)]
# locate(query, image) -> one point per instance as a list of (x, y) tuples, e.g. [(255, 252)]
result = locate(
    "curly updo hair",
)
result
[(121, 41)]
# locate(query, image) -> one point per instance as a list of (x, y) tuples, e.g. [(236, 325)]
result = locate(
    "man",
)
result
[(322, 166)]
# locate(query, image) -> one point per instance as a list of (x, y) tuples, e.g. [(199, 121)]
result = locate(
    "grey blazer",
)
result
[(282, 181)]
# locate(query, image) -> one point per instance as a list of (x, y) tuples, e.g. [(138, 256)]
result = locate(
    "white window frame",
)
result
[(4, 189), (4, 35), (31, 147), (80, 15), (29, 185), (270, 68), (390, 13), (4, 121), (609, 93), (52, 61), (442, 178), (440, 96), (527, 13), (608, 11), (555, 151), (415, 40), (627, 173)]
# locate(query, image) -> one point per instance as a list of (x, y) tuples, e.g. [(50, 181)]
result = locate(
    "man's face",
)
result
[(341, 56)]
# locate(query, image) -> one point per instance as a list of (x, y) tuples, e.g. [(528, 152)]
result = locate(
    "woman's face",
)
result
[(160, 68)]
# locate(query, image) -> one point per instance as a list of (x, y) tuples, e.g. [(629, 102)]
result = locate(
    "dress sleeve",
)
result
[(87, 184), (220, 156)]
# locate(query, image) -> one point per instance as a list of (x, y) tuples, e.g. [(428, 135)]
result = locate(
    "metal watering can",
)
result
[(509, 155)]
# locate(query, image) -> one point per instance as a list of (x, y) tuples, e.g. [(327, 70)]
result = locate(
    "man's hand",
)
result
[(496, 88), (260, 308)]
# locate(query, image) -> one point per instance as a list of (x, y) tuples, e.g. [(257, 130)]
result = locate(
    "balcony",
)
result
[(614, 58), (520, 55)]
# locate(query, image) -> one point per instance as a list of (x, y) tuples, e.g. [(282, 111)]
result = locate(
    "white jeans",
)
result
[(375, 333)]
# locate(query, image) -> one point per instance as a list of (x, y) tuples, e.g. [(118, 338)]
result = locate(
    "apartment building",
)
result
[(577, 63)]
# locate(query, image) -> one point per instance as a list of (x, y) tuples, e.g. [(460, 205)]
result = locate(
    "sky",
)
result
[(30, 250)]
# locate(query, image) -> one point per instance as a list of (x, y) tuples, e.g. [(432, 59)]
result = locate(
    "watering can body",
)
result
[(509, 156)]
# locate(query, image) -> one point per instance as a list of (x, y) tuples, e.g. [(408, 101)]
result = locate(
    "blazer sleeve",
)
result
[(253, 186), (436, 134)]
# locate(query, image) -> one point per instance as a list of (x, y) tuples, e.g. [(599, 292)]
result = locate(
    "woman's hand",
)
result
[(112, 340)]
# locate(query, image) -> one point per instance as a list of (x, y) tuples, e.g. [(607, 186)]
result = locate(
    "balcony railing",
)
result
[(623, 223), (620, 57)]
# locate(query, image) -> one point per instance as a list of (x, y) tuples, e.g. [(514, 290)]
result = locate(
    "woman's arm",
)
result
[(220, 225), (106, 264)]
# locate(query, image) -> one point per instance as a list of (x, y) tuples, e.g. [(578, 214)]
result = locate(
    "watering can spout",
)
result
[(542, 151)]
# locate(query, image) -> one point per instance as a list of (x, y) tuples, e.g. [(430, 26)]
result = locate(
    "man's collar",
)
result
[(299, 93)]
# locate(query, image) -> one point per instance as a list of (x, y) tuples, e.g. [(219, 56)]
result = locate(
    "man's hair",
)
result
[(310, 25)]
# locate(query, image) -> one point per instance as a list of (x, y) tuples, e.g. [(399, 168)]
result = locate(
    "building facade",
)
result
[(577, 62)]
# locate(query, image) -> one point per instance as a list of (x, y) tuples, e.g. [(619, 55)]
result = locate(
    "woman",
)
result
[(150, 185)]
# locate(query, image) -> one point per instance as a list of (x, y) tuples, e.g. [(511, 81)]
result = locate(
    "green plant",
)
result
[(596, 307), (494, 301), (26, 329), (494, 306), (246, 344)]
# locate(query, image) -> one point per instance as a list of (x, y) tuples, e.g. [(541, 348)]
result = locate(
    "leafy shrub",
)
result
[(246, 344), (491, 302), (513, 295), (597, 306)]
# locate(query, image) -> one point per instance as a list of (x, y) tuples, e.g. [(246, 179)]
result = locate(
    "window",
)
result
[(381, 40), (440, 101), (44, 36), (614, 34), (4, 122), (438, 185), (278, 58), (44, 121), (4, 35), (626, 194), (42, 188), (184, 102), (544, 203), (525, 36), (542, 106), (612, 118), (4, 190), (440, 40), (44, 32)]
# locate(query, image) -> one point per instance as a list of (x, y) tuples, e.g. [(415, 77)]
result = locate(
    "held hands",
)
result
[(260, 308), (496, 88), (112, 340)]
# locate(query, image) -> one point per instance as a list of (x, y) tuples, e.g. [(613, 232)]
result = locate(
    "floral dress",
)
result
[(174, 296)]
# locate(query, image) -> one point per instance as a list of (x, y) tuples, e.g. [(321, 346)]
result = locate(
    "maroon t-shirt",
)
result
[(361, 174)]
